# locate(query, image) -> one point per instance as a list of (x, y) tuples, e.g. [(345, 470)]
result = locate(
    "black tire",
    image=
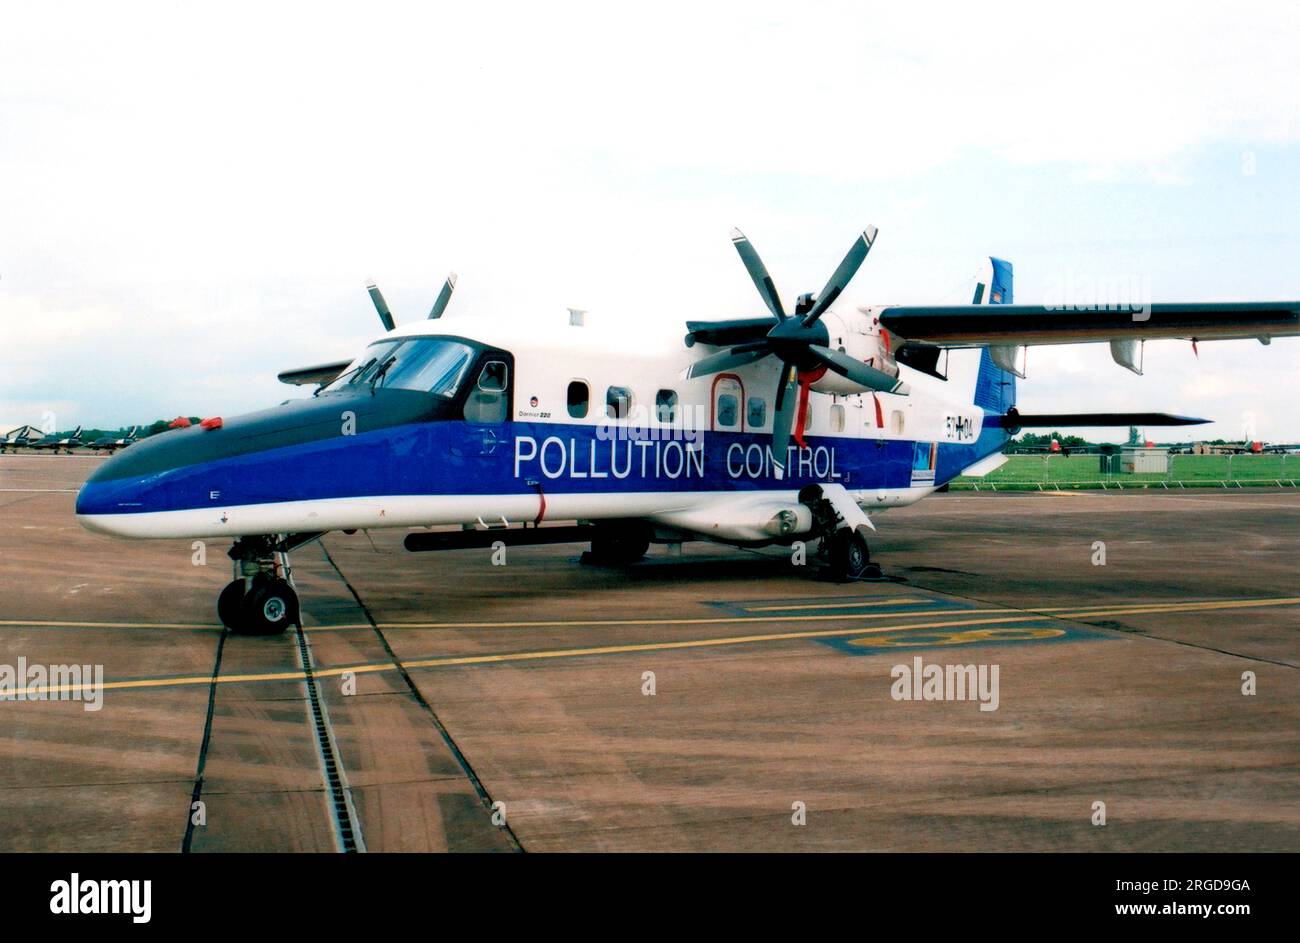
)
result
[(850, 559), (230, 605), (269, 609)]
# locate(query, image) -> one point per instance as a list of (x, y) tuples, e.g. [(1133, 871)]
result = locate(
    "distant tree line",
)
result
[(1066, 441), (143, 431)]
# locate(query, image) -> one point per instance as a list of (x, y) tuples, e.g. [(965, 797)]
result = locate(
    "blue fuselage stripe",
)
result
[(460, 458)]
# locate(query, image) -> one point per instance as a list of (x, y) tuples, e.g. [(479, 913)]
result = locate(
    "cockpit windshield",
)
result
[(427, 364)]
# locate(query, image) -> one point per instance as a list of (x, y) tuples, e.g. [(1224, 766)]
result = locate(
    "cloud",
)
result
[(193, 199)]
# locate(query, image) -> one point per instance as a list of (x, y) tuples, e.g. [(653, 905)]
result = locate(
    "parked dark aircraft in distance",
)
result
[(56, 442), (111, 443), (21, 438)]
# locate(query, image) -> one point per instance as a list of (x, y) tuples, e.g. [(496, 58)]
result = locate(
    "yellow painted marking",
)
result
[(110, 625), (902, 601), (1106, 609), (731, 620), (460, 660), (924, 639), (195, 626)]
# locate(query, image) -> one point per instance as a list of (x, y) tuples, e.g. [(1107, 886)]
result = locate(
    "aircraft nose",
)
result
[(130, 484), (182, 482)]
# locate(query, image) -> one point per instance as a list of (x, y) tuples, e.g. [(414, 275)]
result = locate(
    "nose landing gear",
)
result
[(260, 600), (262, 605)]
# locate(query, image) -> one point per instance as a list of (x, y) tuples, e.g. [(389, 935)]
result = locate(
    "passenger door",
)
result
[(728, 403)]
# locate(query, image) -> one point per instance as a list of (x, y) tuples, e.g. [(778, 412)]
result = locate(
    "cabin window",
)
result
[(579, 396), (618, 402), (896, 423), (728, 411), (837, 418), (757, 412), (666, 405)]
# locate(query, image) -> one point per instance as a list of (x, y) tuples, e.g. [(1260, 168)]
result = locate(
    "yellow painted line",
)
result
[(903, 601), (195, 626), (110, 625), (461, 660), (732, 620), (1106, 609)]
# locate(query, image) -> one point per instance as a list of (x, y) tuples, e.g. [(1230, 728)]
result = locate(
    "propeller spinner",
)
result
[(801, 342)]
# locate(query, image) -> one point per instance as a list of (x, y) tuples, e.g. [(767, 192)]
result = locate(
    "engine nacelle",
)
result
[(861, 337)]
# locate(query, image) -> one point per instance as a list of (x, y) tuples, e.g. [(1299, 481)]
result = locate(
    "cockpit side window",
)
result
[(489, 399)]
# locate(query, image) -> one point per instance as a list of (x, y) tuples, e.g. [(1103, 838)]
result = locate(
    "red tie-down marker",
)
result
[(213, 422)]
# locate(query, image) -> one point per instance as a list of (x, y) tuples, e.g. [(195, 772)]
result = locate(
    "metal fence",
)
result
[(1054, 470)]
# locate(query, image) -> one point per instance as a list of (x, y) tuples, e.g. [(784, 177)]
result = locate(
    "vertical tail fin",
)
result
[(995, 387)]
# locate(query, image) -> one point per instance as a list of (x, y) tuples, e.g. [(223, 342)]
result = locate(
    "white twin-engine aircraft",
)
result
[(768, 430)]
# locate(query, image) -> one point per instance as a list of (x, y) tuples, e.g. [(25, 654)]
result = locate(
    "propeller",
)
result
[(381, 306), (444, 296), (386, 315), (800, 342)]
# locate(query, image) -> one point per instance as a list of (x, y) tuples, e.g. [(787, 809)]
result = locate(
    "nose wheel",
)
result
[(260, 600), (266, 607)]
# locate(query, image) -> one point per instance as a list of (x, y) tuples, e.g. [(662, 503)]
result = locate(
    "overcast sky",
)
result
[(191, 198)]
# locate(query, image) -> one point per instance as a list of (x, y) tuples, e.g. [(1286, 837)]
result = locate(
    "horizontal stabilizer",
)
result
[(1015, 420), (985, 465)]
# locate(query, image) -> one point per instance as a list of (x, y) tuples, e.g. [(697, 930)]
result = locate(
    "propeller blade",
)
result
[(381, 306), (727, 360), (842, 275), (857, 371), (783, 416), (758, 272), (444, 296), (723, 333)]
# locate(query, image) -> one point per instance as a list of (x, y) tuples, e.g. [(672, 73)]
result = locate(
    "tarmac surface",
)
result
[(505, 708)]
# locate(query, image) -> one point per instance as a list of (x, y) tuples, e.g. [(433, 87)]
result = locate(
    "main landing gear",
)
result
[(848, 558), (260, 600), (842, 526), (618, 543)]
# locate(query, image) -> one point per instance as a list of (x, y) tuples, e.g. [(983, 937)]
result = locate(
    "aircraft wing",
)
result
[(310, 376), (1026, 325)]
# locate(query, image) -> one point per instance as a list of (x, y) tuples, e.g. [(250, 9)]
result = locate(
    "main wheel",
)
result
[(619, 547), (230, 605), (269, 609), (849, 557)]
